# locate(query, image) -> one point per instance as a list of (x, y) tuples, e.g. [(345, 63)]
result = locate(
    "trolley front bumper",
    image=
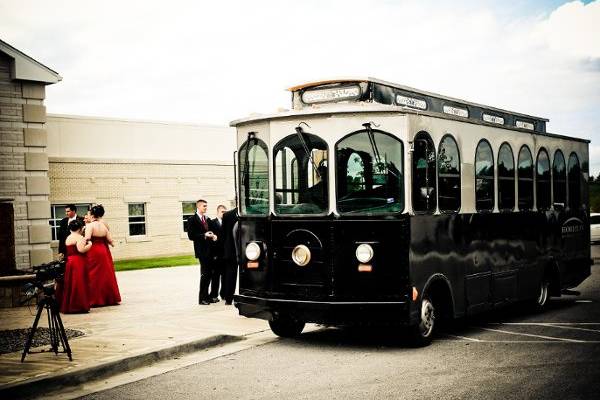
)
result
[(326, 312)]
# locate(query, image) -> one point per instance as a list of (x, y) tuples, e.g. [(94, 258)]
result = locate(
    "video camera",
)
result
[(52, 271)]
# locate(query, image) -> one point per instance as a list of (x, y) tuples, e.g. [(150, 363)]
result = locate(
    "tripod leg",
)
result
[(62, 332), (41, 306), (52, 328)]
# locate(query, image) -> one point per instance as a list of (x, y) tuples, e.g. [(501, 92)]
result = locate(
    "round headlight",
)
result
[(364, 253), (301, 255), (252, 251)]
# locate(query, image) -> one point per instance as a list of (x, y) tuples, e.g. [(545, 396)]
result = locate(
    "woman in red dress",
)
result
[(73, 294), (104, 290)]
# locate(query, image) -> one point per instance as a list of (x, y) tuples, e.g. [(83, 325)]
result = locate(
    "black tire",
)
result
[(421, 334), (285, 326)]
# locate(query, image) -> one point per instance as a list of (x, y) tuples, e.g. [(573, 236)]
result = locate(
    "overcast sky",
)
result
[(211, 62)]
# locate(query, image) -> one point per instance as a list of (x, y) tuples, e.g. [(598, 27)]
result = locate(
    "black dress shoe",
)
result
[(214, 300), (228, 302), (204, 302)]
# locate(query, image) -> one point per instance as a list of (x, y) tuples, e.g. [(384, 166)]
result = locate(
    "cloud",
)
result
[(216, 61)]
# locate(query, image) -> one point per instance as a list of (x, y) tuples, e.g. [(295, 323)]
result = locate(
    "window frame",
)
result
[(579, 179), (459, 176), (434, 209), (548, 206), (55, 222), (555, 179), (506, 178), (143, 223), (493, 176), (241, 196), (525, 179)]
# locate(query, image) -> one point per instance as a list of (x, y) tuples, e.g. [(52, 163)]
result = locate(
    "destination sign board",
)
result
[(331, 94), (461, 112), (524, 125), (411, 102), (493, 119)]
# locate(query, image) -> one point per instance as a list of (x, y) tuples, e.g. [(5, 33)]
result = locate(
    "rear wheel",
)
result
[(422, 332), (286, 326)]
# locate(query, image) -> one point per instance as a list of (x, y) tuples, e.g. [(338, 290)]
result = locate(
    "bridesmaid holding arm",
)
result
[(104, 290), (73, 294)]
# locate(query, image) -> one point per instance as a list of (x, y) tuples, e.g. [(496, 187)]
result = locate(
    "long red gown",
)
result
[(73, 294), (104, 290)]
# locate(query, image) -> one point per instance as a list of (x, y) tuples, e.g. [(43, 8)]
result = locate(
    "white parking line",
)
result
[(538, 323), (531, 335), (463, 338), (562, 325)]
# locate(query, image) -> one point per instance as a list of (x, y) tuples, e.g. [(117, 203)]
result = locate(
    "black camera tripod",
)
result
[(55, 326)]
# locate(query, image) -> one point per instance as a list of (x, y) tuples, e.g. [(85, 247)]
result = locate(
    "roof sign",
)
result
[(524, 125), (493, 119), (411, 102), (461, 112), (331, 94)]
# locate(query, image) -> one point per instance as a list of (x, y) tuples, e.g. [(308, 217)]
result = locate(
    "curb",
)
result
[(43, 385)]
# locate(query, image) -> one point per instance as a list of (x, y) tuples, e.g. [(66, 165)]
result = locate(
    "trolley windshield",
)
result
[(369, 173)]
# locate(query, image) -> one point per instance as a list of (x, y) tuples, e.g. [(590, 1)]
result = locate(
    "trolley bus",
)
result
[(372, 202)]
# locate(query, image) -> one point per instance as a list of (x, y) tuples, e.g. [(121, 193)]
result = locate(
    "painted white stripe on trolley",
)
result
[(531, 335), (538, 323), (583, 301)]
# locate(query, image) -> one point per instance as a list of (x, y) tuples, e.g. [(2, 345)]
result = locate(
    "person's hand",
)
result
[(61, 256), (214, 238)]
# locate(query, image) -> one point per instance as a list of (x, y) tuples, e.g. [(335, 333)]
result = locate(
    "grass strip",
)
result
[(159, 262)]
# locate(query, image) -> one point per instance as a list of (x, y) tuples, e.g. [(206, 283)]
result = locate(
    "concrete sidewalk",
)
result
[(158, 318)]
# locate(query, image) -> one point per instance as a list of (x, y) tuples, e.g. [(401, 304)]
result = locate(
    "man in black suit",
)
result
[(215, 225), (230, 256), (200, 234), (63, 228)]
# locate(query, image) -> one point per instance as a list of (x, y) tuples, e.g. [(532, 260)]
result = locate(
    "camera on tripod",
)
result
[(44, 273), (45, 277)]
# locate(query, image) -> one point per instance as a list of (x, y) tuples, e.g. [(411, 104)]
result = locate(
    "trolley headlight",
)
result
[(364, 253), (301, 255), (252, 251)]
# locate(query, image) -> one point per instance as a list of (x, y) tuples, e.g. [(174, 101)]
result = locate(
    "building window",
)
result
[(137, 219), (424, 196), (188, 208), (525, 171), (506, 178), (57, 212), (559, 180), (574, 179), (448, 175), (484, 177), (542, 185)]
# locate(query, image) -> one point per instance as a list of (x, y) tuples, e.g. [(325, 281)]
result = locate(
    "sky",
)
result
[(213, 62)]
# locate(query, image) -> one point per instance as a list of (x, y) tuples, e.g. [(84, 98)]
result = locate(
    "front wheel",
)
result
[(285, 326), (422, 333), (543, 295)]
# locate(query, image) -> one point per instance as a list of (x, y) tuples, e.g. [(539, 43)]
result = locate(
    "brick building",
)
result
[(24, 185), (147, 175)]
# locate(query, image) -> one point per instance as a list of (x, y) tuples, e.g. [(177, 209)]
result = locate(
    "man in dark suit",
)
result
[(63, 228), (215, 226), (200, 234), (230, 256)]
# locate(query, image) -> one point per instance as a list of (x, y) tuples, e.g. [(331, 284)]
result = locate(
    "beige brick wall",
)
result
[(162, 186), (22, 108)]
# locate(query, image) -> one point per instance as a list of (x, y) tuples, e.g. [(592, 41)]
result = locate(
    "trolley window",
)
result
[(254, 177), (525, 172), (484, 177), (369, 173), (574, 179), (559, 180), (423, 174), (506, 178), (542, 181), (300, 174), (448, 175)]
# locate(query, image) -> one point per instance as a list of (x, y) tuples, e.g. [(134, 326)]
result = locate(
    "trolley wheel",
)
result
[(286, 326), (421, 334)]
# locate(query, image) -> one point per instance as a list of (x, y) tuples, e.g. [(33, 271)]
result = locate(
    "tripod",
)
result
[(55, 326)]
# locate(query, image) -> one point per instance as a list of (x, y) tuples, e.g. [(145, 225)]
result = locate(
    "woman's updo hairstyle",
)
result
[(75, 225), (97, 211)]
